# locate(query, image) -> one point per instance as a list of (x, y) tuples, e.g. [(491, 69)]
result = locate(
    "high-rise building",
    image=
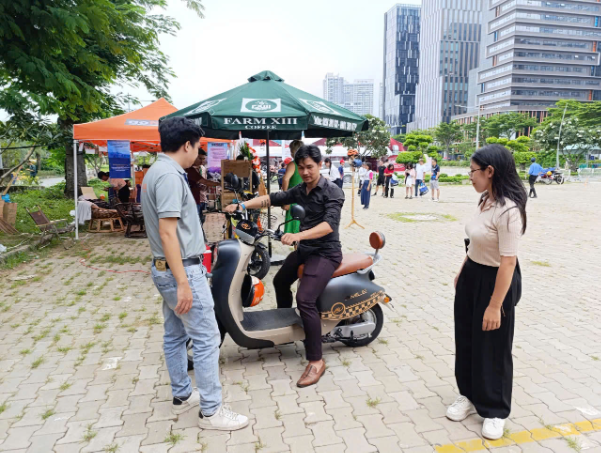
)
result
[(448, 52), (357, 96), (538, 52), (400, 66), (333, 88), (381, 101)]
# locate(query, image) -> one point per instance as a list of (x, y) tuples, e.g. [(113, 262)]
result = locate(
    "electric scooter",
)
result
[(349, 306)]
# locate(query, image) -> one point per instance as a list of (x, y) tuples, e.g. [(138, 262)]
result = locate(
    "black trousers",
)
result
[(483, 359), (388, 187), (532, 179), (316, 274)]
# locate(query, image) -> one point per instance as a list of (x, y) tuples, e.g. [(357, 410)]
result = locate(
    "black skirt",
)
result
[(484, 359)]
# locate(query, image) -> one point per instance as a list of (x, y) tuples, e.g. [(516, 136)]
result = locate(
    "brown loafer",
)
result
[(312, 374)]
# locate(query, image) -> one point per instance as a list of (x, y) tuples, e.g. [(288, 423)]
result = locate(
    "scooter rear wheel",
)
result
[(189, 355), (375, 314)]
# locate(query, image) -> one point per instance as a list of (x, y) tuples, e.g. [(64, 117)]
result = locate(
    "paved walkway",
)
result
[(82, 368)]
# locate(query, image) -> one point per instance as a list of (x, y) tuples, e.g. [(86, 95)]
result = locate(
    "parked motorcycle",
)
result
[(349, 306), (550, 175)]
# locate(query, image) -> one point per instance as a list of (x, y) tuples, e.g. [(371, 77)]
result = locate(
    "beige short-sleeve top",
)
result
[(494, 232)]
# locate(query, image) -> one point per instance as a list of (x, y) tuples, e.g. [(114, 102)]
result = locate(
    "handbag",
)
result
[(423, 189), (517, 273)]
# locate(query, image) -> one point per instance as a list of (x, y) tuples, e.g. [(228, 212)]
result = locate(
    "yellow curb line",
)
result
[(522, 437)]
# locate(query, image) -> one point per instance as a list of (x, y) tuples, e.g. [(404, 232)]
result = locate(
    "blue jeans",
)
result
[(200, 325)]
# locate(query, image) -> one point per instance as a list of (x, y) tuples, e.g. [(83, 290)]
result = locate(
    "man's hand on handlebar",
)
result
[(290, 238), (231, 208)]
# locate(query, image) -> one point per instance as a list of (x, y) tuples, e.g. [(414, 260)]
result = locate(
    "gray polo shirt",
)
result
[(165, 193)]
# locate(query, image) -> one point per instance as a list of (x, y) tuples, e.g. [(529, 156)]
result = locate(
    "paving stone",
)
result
[(266, 418), (344, 419), (87, 411), (324, 434), (18, 438), (162, 411), (423, 421), (110, 417), (41, 444), (243, 436), (300, 444), (214, 444), (315, 412), (374, 426), (189, 442), (407, 434), (157, 432), (272, 439), (356, 441), (134, 425), (261, 398), (55, 424), (387, 444), (288, 405), (294, 426)]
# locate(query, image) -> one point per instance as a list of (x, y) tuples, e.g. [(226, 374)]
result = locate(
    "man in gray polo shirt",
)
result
[(176, 240)]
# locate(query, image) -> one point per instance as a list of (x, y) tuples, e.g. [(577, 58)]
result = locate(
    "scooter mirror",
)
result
[(232, 181), (297, 212)]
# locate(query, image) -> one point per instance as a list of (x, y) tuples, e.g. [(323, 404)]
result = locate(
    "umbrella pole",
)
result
[(353, 221), (267, 152), (275, 260)]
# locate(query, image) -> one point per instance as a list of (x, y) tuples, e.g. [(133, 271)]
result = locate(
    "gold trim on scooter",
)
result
[(339, 311)]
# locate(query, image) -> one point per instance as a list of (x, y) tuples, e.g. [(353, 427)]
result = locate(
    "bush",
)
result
[(408, 157), (523, 157), (455, 163), (52, 201)]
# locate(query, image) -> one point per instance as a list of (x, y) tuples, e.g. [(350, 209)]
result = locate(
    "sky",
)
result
[(300, 41)]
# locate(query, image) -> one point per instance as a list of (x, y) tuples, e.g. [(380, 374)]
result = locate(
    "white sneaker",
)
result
[(436, 201), (461, 409), (179, 406), (493, 428), (223, 420)]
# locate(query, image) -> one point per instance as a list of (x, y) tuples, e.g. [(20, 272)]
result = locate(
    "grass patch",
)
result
[(345, 362), (113, 448), (86, 347), (105, 317), (47, 414), (4, 406), (25, 351), (174, 438), (373, 402), (37, 362), (259, 444), (64, 386), (123, 315), (541, 263), (383, 341), (405, 217), (64, 349), (573, 443), (99, 327), (89, 434)]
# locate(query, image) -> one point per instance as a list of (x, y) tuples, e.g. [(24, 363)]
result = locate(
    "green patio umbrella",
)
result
[(266, 107)]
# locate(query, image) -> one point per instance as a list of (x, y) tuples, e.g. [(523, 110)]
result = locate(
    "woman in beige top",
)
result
[(488, 287)]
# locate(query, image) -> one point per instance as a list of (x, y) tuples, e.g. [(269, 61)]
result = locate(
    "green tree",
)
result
[(580, 130), (508, 124), (419, 141), (375, 140), (399, 137), (447, 134), (66, 56)]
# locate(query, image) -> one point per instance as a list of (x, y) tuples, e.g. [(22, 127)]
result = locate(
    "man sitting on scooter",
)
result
[(319, 249)]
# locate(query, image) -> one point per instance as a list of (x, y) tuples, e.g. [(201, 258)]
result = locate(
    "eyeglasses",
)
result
[(470, 172)]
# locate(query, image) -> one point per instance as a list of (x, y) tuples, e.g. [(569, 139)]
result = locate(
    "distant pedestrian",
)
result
[(333, 172), (281, 172), (366, 186), (435, 192), (421, 169), (488, 287), (342, 172), (534, 171), (362, 174), (380, 181), (410, 179), (389, 173)]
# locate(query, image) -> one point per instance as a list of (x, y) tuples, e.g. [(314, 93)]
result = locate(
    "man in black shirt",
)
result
[(380, 182), (319, 250)]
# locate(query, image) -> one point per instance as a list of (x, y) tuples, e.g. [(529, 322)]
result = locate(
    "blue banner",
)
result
[(119, 159)]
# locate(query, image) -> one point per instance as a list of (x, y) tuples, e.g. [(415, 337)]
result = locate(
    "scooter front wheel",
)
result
[(375, 315)]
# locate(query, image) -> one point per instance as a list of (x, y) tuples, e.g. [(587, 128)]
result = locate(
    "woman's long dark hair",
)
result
[(505, 183)]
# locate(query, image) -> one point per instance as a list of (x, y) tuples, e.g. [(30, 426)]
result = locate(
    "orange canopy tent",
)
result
[(140, 127)]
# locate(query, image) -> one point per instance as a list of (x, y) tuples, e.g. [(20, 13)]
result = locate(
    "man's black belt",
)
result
[(185, 262)]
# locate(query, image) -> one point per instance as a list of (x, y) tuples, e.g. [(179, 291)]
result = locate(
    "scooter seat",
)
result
[(352, 262)]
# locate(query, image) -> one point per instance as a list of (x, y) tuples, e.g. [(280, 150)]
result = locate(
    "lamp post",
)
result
[(478, 108), (558, 143)]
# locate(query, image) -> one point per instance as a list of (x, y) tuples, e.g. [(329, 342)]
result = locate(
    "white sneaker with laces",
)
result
[(179, 406), (493, 428), (223, 420), (460, 409)]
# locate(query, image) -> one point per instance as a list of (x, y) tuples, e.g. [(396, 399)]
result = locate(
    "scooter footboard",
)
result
[(348, 296)]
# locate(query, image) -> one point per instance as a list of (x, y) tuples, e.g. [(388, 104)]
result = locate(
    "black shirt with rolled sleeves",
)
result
[(322, 204)]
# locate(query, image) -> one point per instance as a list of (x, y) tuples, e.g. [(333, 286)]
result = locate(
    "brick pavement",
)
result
[(82, 369)]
